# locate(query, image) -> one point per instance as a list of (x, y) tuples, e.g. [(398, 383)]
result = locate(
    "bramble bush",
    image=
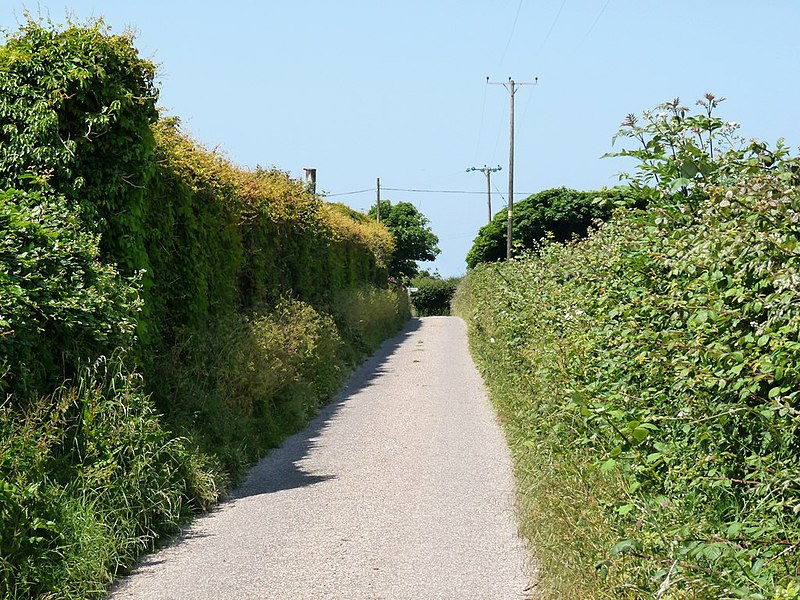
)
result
[(648, 376)]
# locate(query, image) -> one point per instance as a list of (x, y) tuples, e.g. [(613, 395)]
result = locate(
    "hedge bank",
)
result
[(648, 382), (150, 289)]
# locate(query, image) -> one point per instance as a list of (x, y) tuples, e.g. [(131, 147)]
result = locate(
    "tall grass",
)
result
[(88, 480), (241, 385), (367, 315), (90, 477), (560, 492)]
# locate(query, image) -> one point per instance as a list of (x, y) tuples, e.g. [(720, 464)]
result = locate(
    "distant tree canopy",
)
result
[(413, 237), (560, 212)]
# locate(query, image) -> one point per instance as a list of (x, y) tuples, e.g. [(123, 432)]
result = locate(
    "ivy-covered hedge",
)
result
[(150, 289), (58, 302), (77, 109)]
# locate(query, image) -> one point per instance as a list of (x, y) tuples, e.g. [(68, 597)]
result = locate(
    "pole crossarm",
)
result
[(511, 84), (487, 170)]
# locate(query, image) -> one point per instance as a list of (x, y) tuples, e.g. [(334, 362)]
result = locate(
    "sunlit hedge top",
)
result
[(345, 223), (267, 193)]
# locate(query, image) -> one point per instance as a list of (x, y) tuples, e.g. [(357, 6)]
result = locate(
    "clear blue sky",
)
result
[(365, 89)]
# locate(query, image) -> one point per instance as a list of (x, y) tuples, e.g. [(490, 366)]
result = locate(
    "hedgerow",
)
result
[(648, 377), (165, 316), (432, 296)]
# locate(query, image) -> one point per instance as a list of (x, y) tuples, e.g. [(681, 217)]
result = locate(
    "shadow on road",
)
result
[(280, 469)]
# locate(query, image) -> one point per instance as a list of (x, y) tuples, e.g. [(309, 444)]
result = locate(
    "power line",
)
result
[(447, 191), (602, 10), (431, 191), (539, 51), (480, 128), (553, 26), (349, 193), (511, 35), (421, 191)]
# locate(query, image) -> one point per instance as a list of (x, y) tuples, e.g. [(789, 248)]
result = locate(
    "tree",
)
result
[(561, 213), (413, 237)]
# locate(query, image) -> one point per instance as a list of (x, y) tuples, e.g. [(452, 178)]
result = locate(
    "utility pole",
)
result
[(488, 172), (511, 86), (311, 180), (378, 204)]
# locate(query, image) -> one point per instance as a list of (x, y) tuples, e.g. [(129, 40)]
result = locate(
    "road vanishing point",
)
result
[(401, 488)]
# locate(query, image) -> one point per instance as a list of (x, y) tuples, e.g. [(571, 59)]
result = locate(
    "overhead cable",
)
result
[(417, 191)]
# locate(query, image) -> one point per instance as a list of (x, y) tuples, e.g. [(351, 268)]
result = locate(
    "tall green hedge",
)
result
[(648, 377), (78, 122), (150, 289), (432, 296)]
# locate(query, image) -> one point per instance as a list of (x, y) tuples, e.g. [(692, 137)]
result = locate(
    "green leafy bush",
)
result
[(76, 109), (558, 214), (432, 296), (648, 378), (59, 304)]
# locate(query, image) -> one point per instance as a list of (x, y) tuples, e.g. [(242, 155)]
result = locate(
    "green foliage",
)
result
[(59, 304), (240, 386), (368, 315), (432, 296), (117, 231), (413, 238), (648, 378), (194, 241), (559, 214), (680, 153), (88, 479), (76, 107)]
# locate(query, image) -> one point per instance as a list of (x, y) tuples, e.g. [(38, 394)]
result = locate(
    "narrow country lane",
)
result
[(400, 489)]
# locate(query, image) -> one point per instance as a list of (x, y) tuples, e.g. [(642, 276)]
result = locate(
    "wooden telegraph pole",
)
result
[(511, 86), (488, 172), (311, 180), (378, 203)]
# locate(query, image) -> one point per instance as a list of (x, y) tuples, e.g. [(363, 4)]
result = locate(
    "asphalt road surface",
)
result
[(400, 489)]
